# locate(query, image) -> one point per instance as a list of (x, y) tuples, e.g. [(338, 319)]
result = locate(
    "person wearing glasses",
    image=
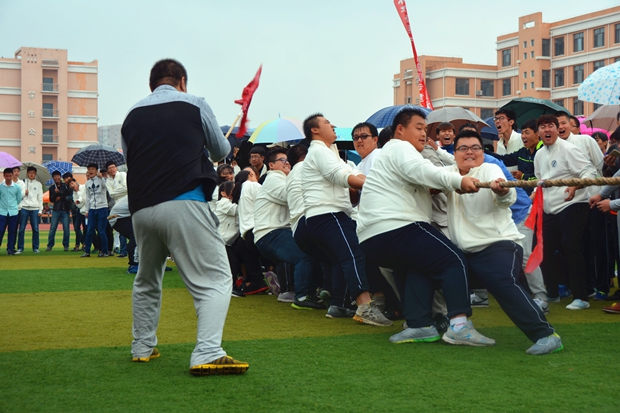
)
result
[(272, 230), (257, 158), (366, 142), (482, 227), (509, 140)]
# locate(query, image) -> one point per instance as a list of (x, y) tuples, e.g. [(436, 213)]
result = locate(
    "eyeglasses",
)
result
[(283, 160), (363, 136), (464, 149), (499, 118)]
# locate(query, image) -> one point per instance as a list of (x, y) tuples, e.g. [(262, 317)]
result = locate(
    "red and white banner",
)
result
[(425, 100), (246, 99)]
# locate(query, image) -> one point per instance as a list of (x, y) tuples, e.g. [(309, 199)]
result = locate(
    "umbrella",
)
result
[(8, 161), (489, 132), (62, 167), (457, 116), (278, 130), (344, 139), (98, 153), (385, 116), (532, 108), (602, 86), (43, 174), (604, 117)]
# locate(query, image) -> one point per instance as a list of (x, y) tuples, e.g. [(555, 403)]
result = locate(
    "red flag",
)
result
[(246, 99), (425, 100), (535, 220)]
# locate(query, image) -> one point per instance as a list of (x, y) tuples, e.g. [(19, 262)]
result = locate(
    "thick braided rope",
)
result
[(553, 182)]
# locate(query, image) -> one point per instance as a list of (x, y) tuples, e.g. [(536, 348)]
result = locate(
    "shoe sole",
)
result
[(574, 308), (551, 352), (607, 310), (214, 369), (372, 323), (418, 340), (285, 301), (464, 343), (479, 305), (260, 290), (300, 307), (146, 359)]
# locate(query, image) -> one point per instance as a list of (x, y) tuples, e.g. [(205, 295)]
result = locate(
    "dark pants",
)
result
[(249, 240), (9, 222), (424, 256), (279, 245), (26, 215), (340, 292), (562, 238), (97, 220), (498, 266), (125, 228), (599, 254), (79, 227), (238, 254), (66, 230)]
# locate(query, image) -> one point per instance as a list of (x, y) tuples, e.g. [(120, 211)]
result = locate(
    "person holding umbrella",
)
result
[(10, 197), (32, 207), (97, 215)]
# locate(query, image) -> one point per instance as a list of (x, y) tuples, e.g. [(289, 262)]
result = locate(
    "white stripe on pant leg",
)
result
[(351, 252)]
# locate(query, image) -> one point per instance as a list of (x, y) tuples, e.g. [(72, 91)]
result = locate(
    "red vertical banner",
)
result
[(425, 100)]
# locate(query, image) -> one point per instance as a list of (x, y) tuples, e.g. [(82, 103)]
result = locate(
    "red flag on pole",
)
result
[(246, 99), (425, 100), (535, 220)]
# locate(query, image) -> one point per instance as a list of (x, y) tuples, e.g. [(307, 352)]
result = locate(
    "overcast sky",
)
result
[(333, 56)]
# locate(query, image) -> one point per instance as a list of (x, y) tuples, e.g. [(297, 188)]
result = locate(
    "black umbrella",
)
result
[(98, 153)]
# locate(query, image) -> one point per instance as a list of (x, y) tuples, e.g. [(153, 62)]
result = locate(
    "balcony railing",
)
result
[(49, 113), (49, 138), (49, 87)]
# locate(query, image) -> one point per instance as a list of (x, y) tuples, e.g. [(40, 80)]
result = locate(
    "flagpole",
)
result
[(233, 124)]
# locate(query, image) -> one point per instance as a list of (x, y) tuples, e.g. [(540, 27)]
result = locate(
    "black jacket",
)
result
[(59, 198)]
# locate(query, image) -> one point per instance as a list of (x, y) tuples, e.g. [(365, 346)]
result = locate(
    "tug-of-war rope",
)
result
[(545, 183)]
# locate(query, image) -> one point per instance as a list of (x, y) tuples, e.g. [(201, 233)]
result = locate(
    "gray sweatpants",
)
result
[(188, 231), (535, 278)]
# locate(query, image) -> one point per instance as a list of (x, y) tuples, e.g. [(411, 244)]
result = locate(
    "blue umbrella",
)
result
[(98, 153), (385, 116), (62, 167), (490, 132)]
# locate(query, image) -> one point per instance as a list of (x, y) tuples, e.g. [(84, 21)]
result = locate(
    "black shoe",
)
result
[(103, 255), (441, 323), (236, 292), (121, 256), (168, 268), (308, 302), (392, 314)]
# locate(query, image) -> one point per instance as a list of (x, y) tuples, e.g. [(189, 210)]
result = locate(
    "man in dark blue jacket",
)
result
[(62, 208)]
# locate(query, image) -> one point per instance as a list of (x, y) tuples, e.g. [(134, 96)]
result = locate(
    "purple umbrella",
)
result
[(8, 161)]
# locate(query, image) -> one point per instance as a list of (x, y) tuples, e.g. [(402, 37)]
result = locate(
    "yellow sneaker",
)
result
[(223, 365), (155, 354)]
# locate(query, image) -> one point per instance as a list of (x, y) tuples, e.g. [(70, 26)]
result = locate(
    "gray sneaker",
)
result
[(544, 307), (287, 297), (467, 336), (369, 314), (546, 345), (416, 335), (339, 312), (478, 301)]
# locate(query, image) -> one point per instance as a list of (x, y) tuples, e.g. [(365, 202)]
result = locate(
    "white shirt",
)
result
[(396, 193), (270, 208), (366, 163), (590, 149), (34, 200), (560, 161), (117, 186), (226, 213), (514, 144), (249, 190), (294, 198), (324, 181), (483, 218)]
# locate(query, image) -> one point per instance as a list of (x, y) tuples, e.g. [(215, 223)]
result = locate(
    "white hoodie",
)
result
[(483, 218), (80, 197), (34, 200), (294, 198), (271, 208), (249, 190), (96, 193), (226, 213)]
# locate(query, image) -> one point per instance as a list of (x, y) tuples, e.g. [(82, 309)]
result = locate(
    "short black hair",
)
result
[(258, 149), (403, 117), (600, 135), (468, 133), (167, 71), (31, 168), (385, 136), (510, 114), (562, 114), (295, 153), (109, 163), (8, 171), (56, 173), (529, 124), (311, 122), (445, 126), (103, 170), (544, 119), (467, 125), (272, 155), (372, 128), (577, 123), (92, 165), (67, 175)]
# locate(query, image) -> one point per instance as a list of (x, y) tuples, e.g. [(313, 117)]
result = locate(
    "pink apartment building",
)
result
[(48, 105), (542, 60)]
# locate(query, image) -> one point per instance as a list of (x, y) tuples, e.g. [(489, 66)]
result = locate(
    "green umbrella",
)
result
[(532, 108)]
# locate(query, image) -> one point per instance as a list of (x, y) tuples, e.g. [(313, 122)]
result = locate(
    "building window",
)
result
[(532, 54), (578, 42), (525, 44), (598, 64), (48, 109), (559, 102), (462, 86), (486, 113), (506, 57), (617, 33), (532, 73), (617, 59), (532, 42), (408, 99), (546, 78), (506, 87), (48, 84), (558, 46), (558, 77), (487, 87), (525, 86), (577, 107), (524, 75), (524, 56), (46, 157), (48, 135), (577, 74), (596, 105), (532, 85), (599, 37), (546, 46)]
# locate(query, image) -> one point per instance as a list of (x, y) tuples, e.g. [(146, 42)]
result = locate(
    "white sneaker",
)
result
[(287, 297), (578, 304), (544, 307)]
